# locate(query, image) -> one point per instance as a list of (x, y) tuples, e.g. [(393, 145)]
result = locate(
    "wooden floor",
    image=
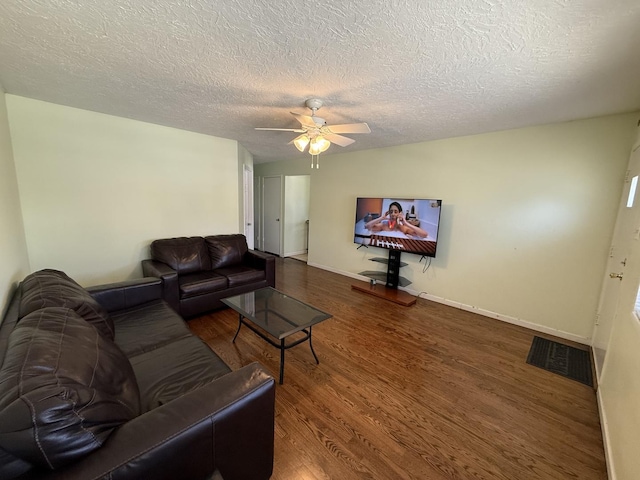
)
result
[(420, 392)]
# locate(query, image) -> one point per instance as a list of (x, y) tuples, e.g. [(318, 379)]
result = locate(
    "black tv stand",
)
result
[(388, 288)]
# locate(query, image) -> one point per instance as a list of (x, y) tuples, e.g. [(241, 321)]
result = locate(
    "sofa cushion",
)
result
[(240, 275), (147, 327), (226, 250), (64, 389), (175, 369), (53, 288), (183, 254), (201, 283)]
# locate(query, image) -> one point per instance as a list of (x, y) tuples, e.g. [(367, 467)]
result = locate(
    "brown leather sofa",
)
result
[(198, 272), (109, 383)]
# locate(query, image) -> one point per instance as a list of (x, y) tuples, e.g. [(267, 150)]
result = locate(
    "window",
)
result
[(632, 191)]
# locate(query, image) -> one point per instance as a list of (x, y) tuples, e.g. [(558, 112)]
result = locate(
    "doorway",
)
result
[(285, 215), (296, 216)]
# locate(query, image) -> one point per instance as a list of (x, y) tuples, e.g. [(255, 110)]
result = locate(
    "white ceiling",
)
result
[(414, 70)]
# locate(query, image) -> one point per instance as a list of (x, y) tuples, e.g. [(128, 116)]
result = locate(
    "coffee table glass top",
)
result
[(275, 312)]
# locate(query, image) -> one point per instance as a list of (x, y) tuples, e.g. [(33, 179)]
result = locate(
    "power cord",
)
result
[(427, 263)]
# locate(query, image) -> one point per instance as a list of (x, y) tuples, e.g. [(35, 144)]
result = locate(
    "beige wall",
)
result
[(526, 222), (97, 189), (13, 245)]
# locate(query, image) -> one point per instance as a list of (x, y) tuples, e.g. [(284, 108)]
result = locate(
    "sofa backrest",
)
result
[(53, 288), (183, 254), (65, 388), (226, 250), (64, 384)]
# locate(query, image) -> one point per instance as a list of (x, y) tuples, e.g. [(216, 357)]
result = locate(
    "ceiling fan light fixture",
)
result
[(318, 145), (301, 142), (315, 133)]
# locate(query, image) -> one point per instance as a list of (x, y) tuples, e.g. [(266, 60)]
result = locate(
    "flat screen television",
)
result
[(406, 224)]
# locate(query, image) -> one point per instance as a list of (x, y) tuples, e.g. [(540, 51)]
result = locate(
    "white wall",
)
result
[(97, 189), (13, 244), (526, 222)]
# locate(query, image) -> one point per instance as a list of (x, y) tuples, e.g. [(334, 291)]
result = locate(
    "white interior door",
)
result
[(625, 239), (619, 384), (272, 213), (248, 205)]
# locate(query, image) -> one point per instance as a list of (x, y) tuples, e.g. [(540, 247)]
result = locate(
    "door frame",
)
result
[(248, 217)]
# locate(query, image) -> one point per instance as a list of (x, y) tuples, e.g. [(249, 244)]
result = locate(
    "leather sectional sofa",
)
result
[(198, 272), (109, 383)]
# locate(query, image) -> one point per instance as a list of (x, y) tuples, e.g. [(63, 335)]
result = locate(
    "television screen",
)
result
[(406, 224)]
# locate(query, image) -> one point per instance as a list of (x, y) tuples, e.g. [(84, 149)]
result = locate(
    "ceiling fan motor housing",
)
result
[(313, 103)]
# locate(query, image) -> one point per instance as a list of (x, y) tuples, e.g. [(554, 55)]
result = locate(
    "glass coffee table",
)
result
[(277, 314)]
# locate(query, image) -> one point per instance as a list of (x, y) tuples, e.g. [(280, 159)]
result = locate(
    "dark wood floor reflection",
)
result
[(421, 392)]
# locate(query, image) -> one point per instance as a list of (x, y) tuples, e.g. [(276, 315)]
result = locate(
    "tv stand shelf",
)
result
[(389, 281), (391, 278), (386, 261)]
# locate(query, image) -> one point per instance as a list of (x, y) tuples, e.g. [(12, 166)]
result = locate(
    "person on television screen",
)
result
[(394, 221)]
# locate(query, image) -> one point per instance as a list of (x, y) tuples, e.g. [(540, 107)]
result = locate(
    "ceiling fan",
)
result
[(317, 134)]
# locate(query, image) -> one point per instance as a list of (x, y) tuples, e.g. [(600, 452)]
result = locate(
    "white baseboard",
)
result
[(604, 426), (506, 318), (471, 308)]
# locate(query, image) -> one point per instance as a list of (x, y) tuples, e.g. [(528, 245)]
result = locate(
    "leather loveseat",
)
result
[(109, 383), (198, 272)]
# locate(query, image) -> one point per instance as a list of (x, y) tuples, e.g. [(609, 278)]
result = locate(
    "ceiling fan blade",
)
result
[(349, 128), (338, 139), (305, 120), (297, 130)]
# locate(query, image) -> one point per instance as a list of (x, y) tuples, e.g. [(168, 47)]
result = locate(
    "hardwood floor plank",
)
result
[(420, 392)]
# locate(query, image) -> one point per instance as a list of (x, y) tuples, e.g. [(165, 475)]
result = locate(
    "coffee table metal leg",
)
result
[(282, 348), (238, 330), (311, 346)]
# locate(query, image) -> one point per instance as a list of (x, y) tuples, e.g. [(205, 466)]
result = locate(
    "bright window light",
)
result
[(632, 191)]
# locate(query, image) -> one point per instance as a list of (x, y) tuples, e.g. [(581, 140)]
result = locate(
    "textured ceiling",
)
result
[(414, 70)]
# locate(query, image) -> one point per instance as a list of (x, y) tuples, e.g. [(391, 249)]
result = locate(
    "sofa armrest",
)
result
[(116, 296), (226, 425), (263, 261), (169, 277)]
